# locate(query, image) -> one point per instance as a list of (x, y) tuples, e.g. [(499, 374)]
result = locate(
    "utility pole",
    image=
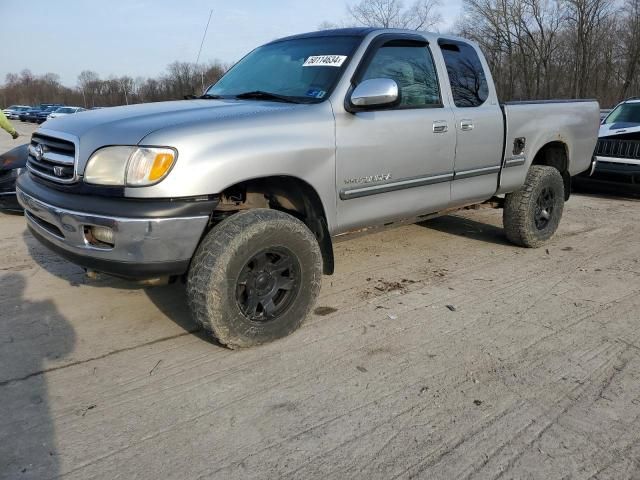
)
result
[(200, 51)]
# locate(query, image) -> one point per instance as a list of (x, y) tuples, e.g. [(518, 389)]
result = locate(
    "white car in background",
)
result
[(13, 111), (64, 111), (618, 150)]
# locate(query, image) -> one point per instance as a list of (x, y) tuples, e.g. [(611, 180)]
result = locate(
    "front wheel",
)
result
[(531, 215), (254, 277)]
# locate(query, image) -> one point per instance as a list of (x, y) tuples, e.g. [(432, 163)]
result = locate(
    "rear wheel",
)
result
[(531, 215), (255, 277)]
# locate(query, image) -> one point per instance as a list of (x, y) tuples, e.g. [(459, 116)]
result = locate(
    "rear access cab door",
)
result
[(478, 122)]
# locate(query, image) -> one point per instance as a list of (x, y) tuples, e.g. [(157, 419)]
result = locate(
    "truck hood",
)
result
[(129, 125)]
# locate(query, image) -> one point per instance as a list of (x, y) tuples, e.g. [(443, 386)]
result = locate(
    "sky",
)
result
[(141, 37)]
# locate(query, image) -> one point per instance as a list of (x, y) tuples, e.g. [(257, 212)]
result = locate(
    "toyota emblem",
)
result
[(39, 152)]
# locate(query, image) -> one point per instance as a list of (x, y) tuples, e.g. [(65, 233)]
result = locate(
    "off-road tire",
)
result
[(521, 214), (221, 260)]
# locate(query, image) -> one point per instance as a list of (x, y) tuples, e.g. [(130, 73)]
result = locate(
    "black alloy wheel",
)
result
[(532, 214), (254, 277), (545, 204), (267, 284)]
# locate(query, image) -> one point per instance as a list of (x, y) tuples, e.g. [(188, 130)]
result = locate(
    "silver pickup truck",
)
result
[(242, 191)]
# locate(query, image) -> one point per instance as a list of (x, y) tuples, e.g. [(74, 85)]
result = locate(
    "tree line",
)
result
[(535, 48), (180, 79), (558, 48)]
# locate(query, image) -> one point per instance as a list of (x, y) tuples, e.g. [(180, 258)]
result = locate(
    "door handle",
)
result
[(440, 126), (466, 125)]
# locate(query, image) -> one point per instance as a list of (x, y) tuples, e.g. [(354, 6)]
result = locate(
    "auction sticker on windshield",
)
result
[(325, 61)]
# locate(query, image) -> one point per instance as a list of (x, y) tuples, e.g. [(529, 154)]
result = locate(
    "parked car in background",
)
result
[(62, 111), (30, 115), (43, 114), (9, 109), (12, 164), (305, 139), (13, 111), (17, 112), (33, 114), (618, 150)]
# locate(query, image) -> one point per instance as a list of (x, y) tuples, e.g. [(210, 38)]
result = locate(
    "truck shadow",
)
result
[(31, 334), (464, 227), (600, 188), (171, 300)]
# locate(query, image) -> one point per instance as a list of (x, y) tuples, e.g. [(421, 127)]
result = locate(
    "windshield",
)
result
[(625, 113), (64, 110), (305, 69)]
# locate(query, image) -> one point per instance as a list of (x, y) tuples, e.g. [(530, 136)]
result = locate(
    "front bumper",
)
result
[(617, 166), (149, 239)]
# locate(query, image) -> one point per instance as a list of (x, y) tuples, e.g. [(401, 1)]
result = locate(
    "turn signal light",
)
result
[(161, 165)]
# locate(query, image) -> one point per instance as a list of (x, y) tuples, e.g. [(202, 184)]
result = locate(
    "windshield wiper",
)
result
[(206, 96), (259, 94)]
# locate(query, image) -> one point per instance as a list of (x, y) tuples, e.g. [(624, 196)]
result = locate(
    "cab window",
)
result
[(412, 68), (466, 75)]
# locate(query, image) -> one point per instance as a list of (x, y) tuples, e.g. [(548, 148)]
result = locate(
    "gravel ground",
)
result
[(437, 350)]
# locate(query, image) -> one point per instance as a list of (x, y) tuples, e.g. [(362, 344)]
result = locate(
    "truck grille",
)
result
[(52, 158), (618, 148)]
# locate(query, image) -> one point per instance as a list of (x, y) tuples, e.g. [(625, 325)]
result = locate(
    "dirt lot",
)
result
[(436, 351)]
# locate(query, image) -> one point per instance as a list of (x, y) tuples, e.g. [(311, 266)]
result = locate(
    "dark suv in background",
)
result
[(29, 115), (43, 114), (34, 114)]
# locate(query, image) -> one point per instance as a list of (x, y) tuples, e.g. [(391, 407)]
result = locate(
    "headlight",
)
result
[(108, 166), (129, 166)]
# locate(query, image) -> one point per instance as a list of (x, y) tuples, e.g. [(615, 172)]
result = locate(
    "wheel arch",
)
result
[(289, 194), (556, 154)]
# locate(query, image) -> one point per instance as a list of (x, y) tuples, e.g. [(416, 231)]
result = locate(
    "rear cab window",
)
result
[(466, 75)]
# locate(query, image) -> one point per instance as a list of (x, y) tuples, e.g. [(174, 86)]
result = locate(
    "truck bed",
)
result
[(573, 123)]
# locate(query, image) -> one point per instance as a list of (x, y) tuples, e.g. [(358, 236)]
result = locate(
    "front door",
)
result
[(395, 163)]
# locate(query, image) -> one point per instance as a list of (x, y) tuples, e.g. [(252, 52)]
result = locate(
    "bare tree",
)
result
[(326, 25), (588, 21), (631, 47), (89, 85), (558, 48), (421, 15)]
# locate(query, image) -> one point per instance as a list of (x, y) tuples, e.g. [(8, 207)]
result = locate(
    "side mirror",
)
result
[(377, 92)]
